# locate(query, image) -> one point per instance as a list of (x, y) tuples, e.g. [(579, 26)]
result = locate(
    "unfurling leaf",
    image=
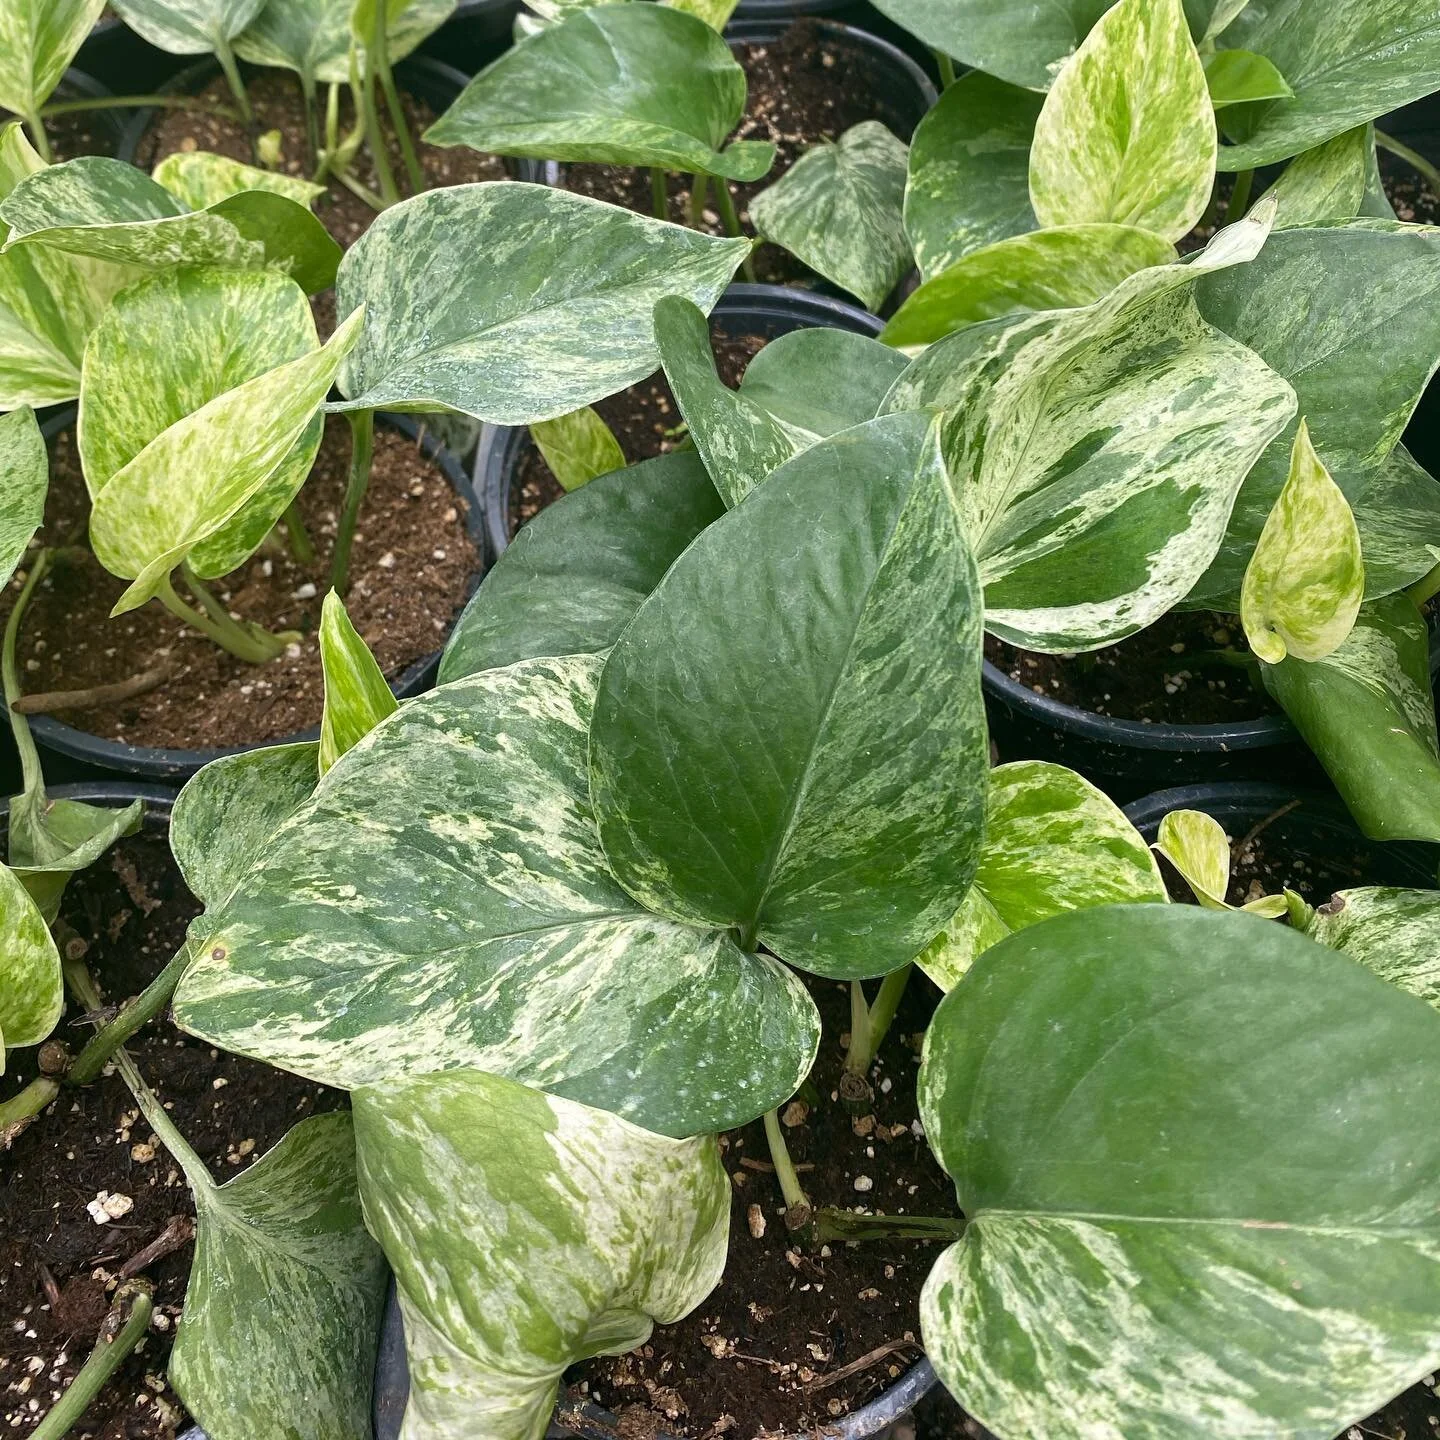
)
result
[(454, 854), (558, 318), (1053, 843), (188, 27), (526, 1233), (1392, 931), (1127, 133), (1235, 76), (1327, 183), (848, 572), (1197, 846), (38, 40), (1306, 580), (198, 178), (632, 84), (578, 447), (357, 695), (1250, 1247), (282, 1312), (839, 210)]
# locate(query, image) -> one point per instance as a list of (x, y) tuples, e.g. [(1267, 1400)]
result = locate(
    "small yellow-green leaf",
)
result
[(1234, 76), (31, 991), (1197, 846), (198, 178), (1326, 183), (1267, 907), (24, 479), (577, 447), (1127, 134), (715, 13), (1305, 582), (357, 697)]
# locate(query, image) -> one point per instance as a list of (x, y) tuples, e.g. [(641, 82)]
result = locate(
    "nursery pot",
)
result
[(478, 32), (79, 83), (1318, 826), (768, 310), (125, 62), (1133, 758), (86, 756)]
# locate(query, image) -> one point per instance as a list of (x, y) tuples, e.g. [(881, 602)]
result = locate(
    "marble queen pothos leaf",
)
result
[(527, 1232), (839, 210), (1326, 183), (572, 578), (442, 901), (188, 27), (1347, 62), (616, 85), (312, 37), (1127, 134), (282, 1313), (559, 316), (107, 210), (1394, 932), (1097, 452), (198, 178), (24, 481), (38, 40), (1347, 314), (1053, 843), (834, 814), (357, 695), (1260, 1251), (32, 990)]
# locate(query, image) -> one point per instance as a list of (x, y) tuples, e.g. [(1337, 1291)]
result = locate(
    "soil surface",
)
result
[(1172, 673), (802, 89), (132, 908), (769, 1349), (85, 132), (279, 105), (644, 418), (411, 571)]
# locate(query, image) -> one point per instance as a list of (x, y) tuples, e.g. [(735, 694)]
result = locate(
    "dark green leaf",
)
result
[(1234, 76)]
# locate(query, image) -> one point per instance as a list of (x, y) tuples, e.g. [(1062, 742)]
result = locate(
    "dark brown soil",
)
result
[(645, 420), (411, 570), (132, 908), (1410, 194), (760, 1349), (1168, 674), (85, 132), (803, 89), (279, 105)]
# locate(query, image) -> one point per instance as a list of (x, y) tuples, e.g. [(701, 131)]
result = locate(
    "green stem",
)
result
[(832, 1224), (226, 56), (149, 102), (137, 1012), (1411, 157), (312, 120), (362, 452), (659, 194), (122, 1331), (380, 66), (249, 643), (860, 1052), (19, 1110), (947, 69), (41, 141), (887, 1002), (10, 670), (364, 87), (797, 1205), (1240, 196), (725, 204), (699, 186), (301, 546), (355, 187), (1426, 587)]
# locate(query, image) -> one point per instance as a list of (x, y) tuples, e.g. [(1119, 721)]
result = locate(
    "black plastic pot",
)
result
[(71, 754), (478, 32), (768, 310), (1318, 826), (1131, 758), (78, 83)]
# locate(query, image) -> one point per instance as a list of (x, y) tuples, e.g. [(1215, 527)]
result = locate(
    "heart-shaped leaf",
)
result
[(1368, 713), (1257, 1253), (32, 992), (313, 37), (559, 315), (838, 209), (1343, 312), (578, 447), (1098, 469), (282, 1311), (834, 813), (1392, 931), (1198, 847), (528, 1232), (1347, 61), (188, 27), (1305, 581), (51, 840), (197, 178), (969, 180), (357, 695), (107, 210), (1326, 183), (1237, 76), (49, 301), (1127, 134), (1053, 843), (171, 480), (443, 901), (573, 577), (38, 40), (616, 84), (1069, 266)]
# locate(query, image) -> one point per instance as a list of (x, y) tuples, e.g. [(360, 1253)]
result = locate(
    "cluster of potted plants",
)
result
[(674, 986)]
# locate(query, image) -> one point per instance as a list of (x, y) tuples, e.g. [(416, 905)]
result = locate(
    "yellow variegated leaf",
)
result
[(198, 178), (357, 696), (32, 994), (578, 447), (38, 40), (1196, 845)]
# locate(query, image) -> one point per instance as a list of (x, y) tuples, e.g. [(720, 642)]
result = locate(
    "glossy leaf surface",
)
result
[(38, 40), (357, 695), (188, 27), (577, 447)]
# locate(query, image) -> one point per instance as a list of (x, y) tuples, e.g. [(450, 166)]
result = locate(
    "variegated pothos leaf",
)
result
[(24, 482), (1394, 932), (32, 991), (188, 27), (38, 40), (1326, 183), (357, 695), (578, 447), (197, 178)]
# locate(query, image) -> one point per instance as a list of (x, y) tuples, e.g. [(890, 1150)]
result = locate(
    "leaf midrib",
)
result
[(1229, 1222)]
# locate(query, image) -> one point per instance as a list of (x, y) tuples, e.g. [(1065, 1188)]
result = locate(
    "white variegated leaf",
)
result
[(32, 992), (1326, 183), (443, 901), (1053, 842), (197, 178), (38, 40), (188, 27), (357, 695), (1198, 847), (527, 1233), (24, 481), (1392, 931)]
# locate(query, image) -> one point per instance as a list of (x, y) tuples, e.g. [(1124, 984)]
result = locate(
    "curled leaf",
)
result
[(357, 695)]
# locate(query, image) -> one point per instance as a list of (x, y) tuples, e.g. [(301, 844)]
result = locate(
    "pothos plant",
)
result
[(38, 40)]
